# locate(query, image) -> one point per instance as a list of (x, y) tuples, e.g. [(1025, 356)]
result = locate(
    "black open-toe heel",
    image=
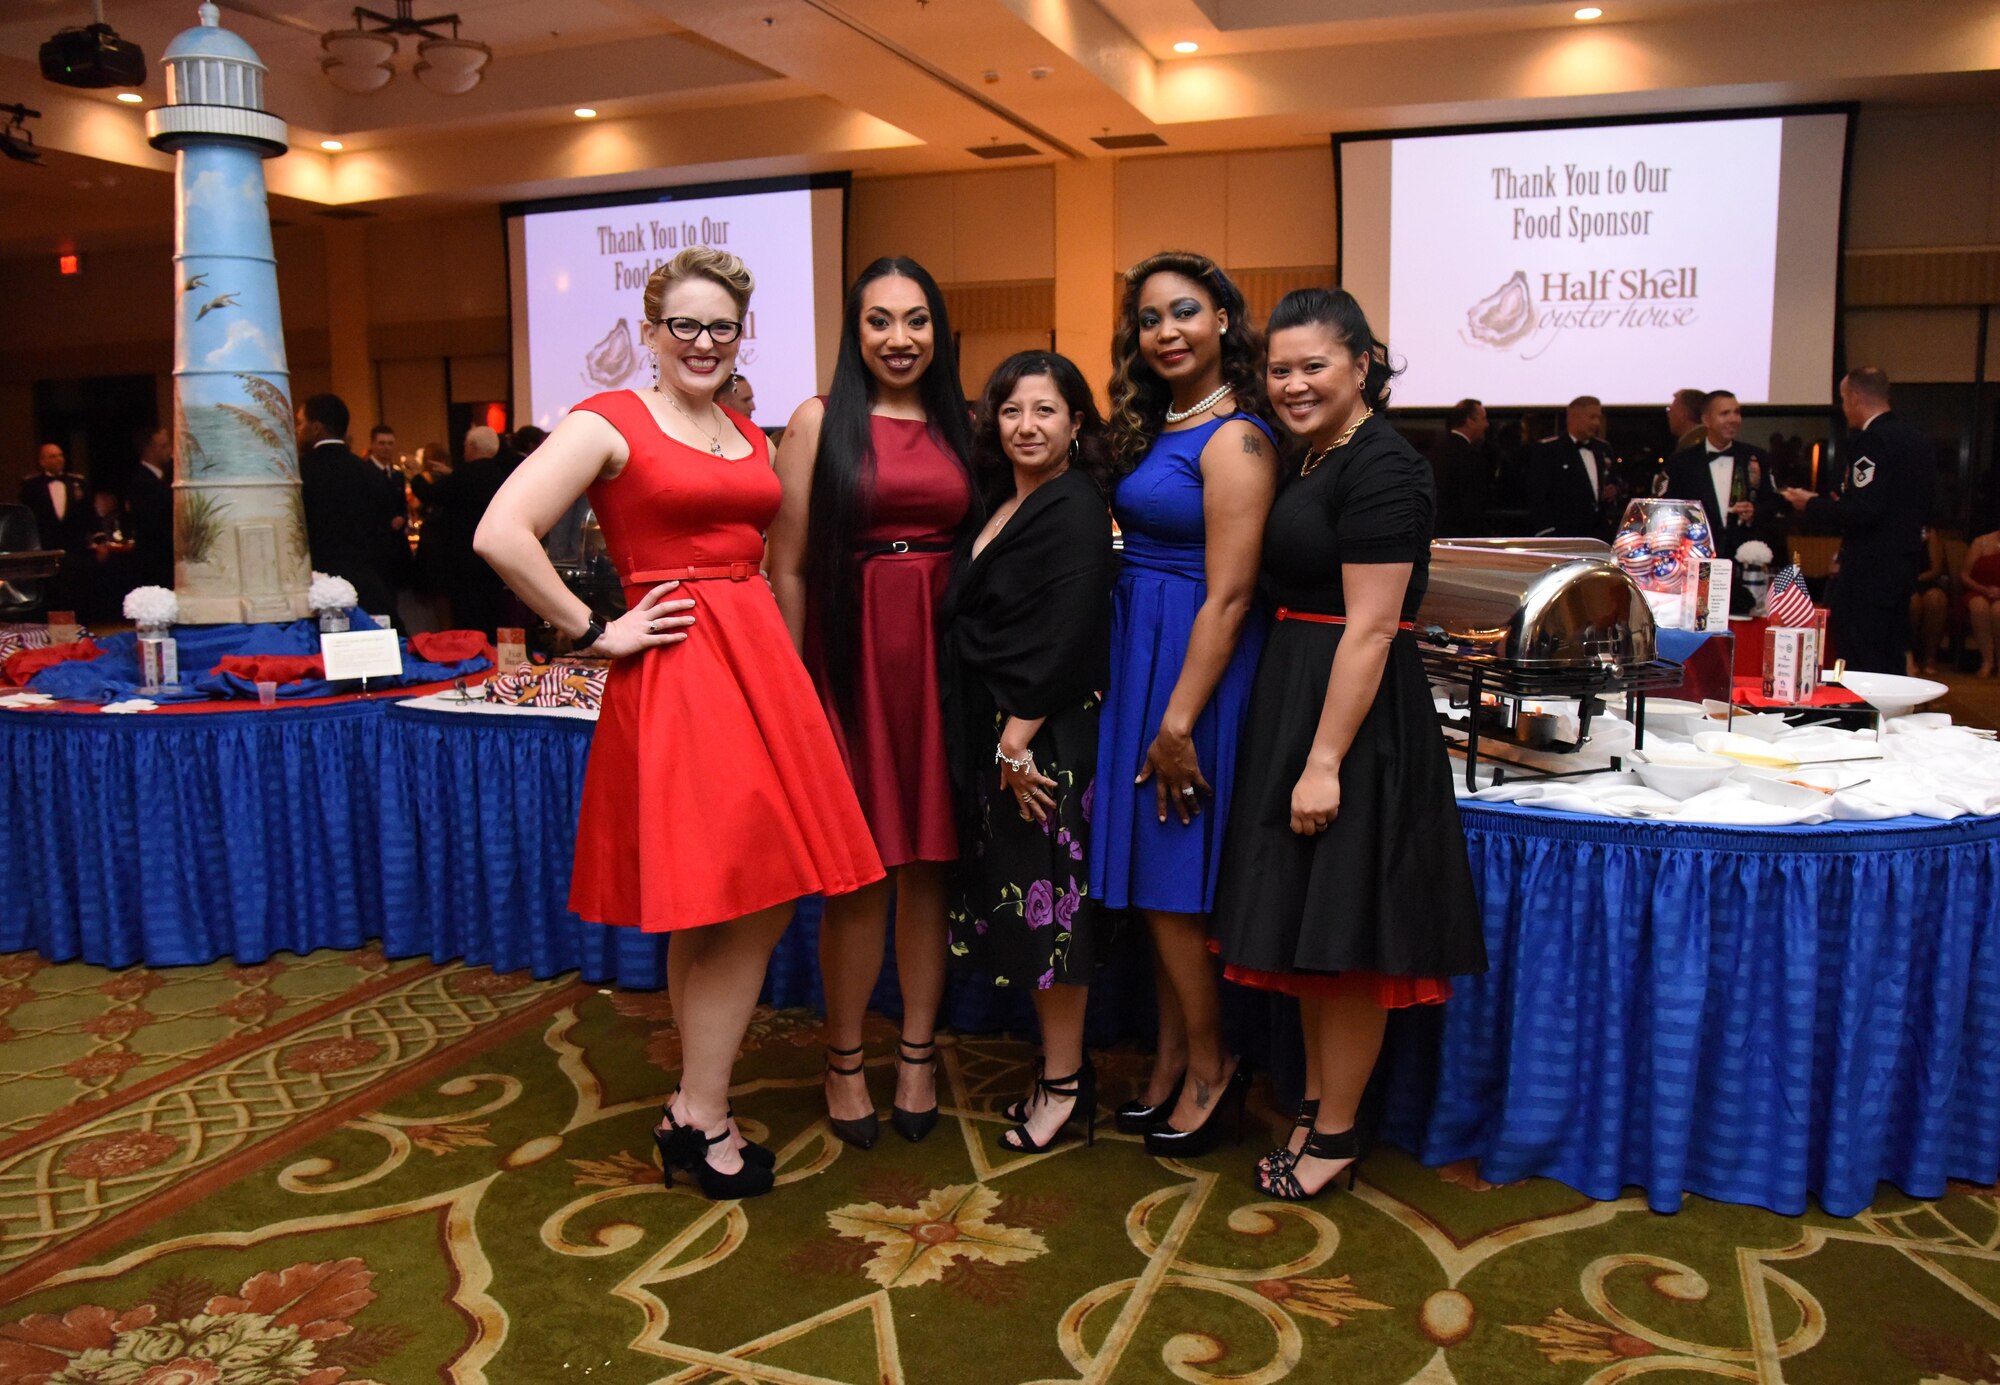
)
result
[(914, 1125), (1135, 1117), (1283, 1183), (862, 1130), (1017, 1111), (1079, 1087), (1163, 1139), (685, 1147), (753, 1153), (1284, 1156)]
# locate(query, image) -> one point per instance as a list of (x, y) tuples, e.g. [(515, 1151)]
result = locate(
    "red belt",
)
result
[(1287, 613), (735, 572)]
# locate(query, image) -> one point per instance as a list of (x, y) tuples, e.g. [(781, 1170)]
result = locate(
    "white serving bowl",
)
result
[(1679, 772), (1797, 789), (1759, 726), (1891, 694)]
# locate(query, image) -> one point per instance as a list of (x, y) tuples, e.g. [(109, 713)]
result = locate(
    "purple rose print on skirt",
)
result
[(1040, 907), (1089, 792), (1066, 904)]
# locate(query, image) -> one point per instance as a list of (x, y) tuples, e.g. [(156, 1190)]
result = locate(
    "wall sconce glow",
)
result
[(585, 113), (1590, 12), (1186, 47), (130, 98), (331, 146)]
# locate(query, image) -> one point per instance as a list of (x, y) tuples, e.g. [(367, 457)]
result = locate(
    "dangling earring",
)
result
[(654, 357), (1075, 448)]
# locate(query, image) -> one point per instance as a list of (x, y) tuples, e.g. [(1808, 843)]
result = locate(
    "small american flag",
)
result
[(1790, 603)]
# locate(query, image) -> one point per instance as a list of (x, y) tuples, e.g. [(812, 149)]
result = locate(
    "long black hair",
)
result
[(844, 469), (1338, 312), (1093, 450), (1139, 397)]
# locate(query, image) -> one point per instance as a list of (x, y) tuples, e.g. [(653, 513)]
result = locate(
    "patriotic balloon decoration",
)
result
[(1659, 540)]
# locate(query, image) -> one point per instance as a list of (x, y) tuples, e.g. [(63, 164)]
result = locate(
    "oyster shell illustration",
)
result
[(1505, 316), (611, 362)]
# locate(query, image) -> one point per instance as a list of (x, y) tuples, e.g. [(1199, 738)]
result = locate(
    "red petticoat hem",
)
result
[(1389, 992)]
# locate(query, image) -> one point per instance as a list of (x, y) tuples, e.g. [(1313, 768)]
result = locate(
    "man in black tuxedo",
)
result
[(149, 503), (1460, 473), (391, 520), (342, 494), (56, 497), (1572, 493), (1732, 481)]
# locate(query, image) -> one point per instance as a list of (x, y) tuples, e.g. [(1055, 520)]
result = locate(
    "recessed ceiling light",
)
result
[(1589, 12), (130, 98), (585, 113), (331, 146), (1186, 47)]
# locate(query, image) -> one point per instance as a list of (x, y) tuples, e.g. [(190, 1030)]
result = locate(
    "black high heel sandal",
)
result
[(1080, 1088), (1017, 1111), (862, 1130), (914, 1125), (1135, 1117), (1283, 1183), (685, 1147), (1284, 1156), (1192, 1144)]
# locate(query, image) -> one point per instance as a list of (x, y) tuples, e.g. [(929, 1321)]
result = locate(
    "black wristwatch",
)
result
[(592, 633)]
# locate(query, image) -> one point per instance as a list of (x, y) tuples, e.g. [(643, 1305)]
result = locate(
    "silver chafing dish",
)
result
[(1508, 624)]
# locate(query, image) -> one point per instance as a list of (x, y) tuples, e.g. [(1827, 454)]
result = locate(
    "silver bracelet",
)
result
[(1024, 765)]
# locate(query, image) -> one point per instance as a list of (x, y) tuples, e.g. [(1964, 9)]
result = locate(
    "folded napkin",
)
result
[(451, 646), (271, 668), (26, 663), (1748, 692)]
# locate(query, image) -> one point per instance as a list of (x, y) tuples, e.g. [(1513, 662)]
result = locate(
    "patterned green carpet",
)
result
[(336, 1170)]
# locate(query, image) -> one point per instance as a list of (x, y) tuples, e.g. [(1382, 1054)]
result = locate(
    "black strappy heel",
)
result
[(1080, 1087), (1017, 1111), (914, 1125), (685, 1147), (861, 1130), (1284, 1156), (1283, 1183)]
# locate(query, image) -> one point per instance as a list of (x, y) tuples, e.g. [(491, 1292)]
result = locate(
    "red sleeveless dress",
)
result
[(714, 787), (892, 738)]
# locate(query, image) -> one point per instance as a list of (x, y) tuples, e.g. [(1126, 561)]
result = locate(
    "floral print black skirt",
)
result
[(1023, 915)]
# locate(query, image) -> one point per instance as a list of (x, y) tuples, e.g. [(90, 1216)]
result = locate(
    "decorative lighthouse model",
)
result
[(239, 515)]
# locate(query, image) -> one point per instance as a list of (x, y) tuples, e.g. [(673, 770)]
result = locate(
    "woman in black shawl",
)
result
[(1026, 631)]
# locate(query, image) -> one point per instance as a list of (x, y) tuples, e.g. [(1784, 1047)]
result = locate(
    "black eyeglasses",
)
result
[(722, 331)]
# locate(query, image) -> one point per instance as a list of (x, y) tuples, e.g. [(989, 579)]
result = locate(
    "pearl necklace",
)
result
[(1201, 406), (1313, 459)]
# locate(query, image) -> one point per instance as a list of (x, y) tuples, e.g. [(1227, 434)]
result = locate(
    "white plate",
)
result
[(1891, 694)]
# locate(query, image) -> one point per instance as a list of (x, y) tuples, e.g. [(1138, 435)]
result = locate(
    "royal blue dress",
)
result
[(1137, 861)]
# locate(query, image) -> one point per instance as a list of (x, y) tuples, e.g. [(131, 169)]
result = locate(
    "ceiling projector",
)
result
[(93, 56)]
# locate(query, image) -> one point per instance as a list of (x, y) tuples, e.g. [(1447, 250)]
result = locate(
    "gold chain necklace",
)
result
[(714, 440), (1313, 459)]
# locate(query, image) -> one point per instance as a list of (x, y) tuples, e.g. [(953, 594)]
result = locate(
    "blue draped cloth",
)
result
[(1751, 1015)]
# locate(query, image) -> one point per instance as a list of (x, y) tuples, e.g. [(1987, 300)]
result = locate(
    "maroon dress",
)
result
[(892, 733)]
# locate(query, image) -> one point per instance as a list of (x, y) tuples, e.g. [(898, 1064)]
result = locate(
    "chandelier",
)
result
[(357, 59)]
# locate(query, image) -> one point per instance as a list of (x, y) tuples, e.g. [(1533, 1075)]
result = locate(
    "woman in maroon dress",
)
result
[(715, 795), (877, 493)]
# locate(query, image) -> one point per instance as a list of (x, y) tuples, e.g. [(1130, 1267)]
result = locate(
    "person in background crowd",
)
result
[(1884, 503), (1979, 598), (1684, 419), (114, 561), (1731, 480), (519, 445), (1026, 629), (1345, 880), (1571, 491), (392, 520), (878, 491), (149, 501), (477, 593), (342, 494), (1516, 448), (738, 395), (57, 498), (431, 581), (1930, 607), (1463, 477), (1197, 467)]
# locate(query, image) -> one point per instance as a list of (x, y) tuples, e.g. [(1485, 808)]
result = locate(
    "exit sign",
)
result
[(68, 264)]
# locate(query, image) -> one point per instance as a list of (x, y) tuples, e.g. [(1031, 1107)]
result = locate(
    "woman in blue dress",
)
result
[(1199, 470)]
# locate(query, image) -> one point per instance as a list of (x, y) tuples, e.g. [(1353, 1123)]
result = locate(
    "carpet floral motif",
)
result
[(918, 1243)]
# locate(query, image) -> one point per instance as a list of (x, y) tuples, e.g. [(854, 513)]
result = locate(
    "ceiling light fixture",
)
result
[(1184, 46), (15, 141), (357, 59), (331, 146), (130, 98), (585, 113), (1590, 12)]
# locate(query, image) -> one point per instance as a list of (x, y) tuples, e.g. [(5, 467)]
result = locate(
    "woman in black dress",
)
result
[(1344, 880), (1024, 648)]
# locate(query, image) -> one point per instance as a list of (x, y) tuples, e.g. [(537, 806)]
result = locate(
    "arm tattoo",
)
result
[(1253, 444)]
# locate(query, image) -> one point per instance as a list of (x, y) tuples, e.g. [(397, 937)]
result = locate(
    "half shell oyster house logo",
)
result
[(1503, 317)]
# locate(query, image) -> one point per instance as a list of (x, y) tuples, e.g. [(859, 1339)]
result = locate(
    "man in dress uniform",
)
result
[(1460, 473), (1732, 481), (1571, 491), (56, 497), (1881, 509)]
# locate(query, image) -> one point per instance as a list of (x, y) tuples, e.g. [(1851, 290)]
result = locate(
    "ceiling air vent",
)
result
[(1004, 151), (1148, 140)]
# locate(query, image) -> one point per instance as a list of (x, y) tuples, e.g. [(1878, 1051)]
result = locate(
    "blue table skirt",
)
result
[(1750, 1015)]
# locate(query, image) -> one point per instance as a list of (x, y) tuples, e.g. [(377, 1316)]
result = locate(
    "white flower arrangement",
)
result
[(151, 606), (1755, 551), (330, 593)]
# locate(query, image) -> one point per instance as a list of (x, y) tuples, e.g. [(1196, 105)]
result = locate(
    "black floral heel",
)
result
[(1080, 1087), (914, 1125), (1283, 1183), (685, 1147), (862, 1130)]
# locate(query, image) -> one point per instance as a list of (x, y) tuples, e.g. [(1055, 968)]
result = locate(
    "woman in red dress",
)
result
[(877, 493), (715, 795)]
